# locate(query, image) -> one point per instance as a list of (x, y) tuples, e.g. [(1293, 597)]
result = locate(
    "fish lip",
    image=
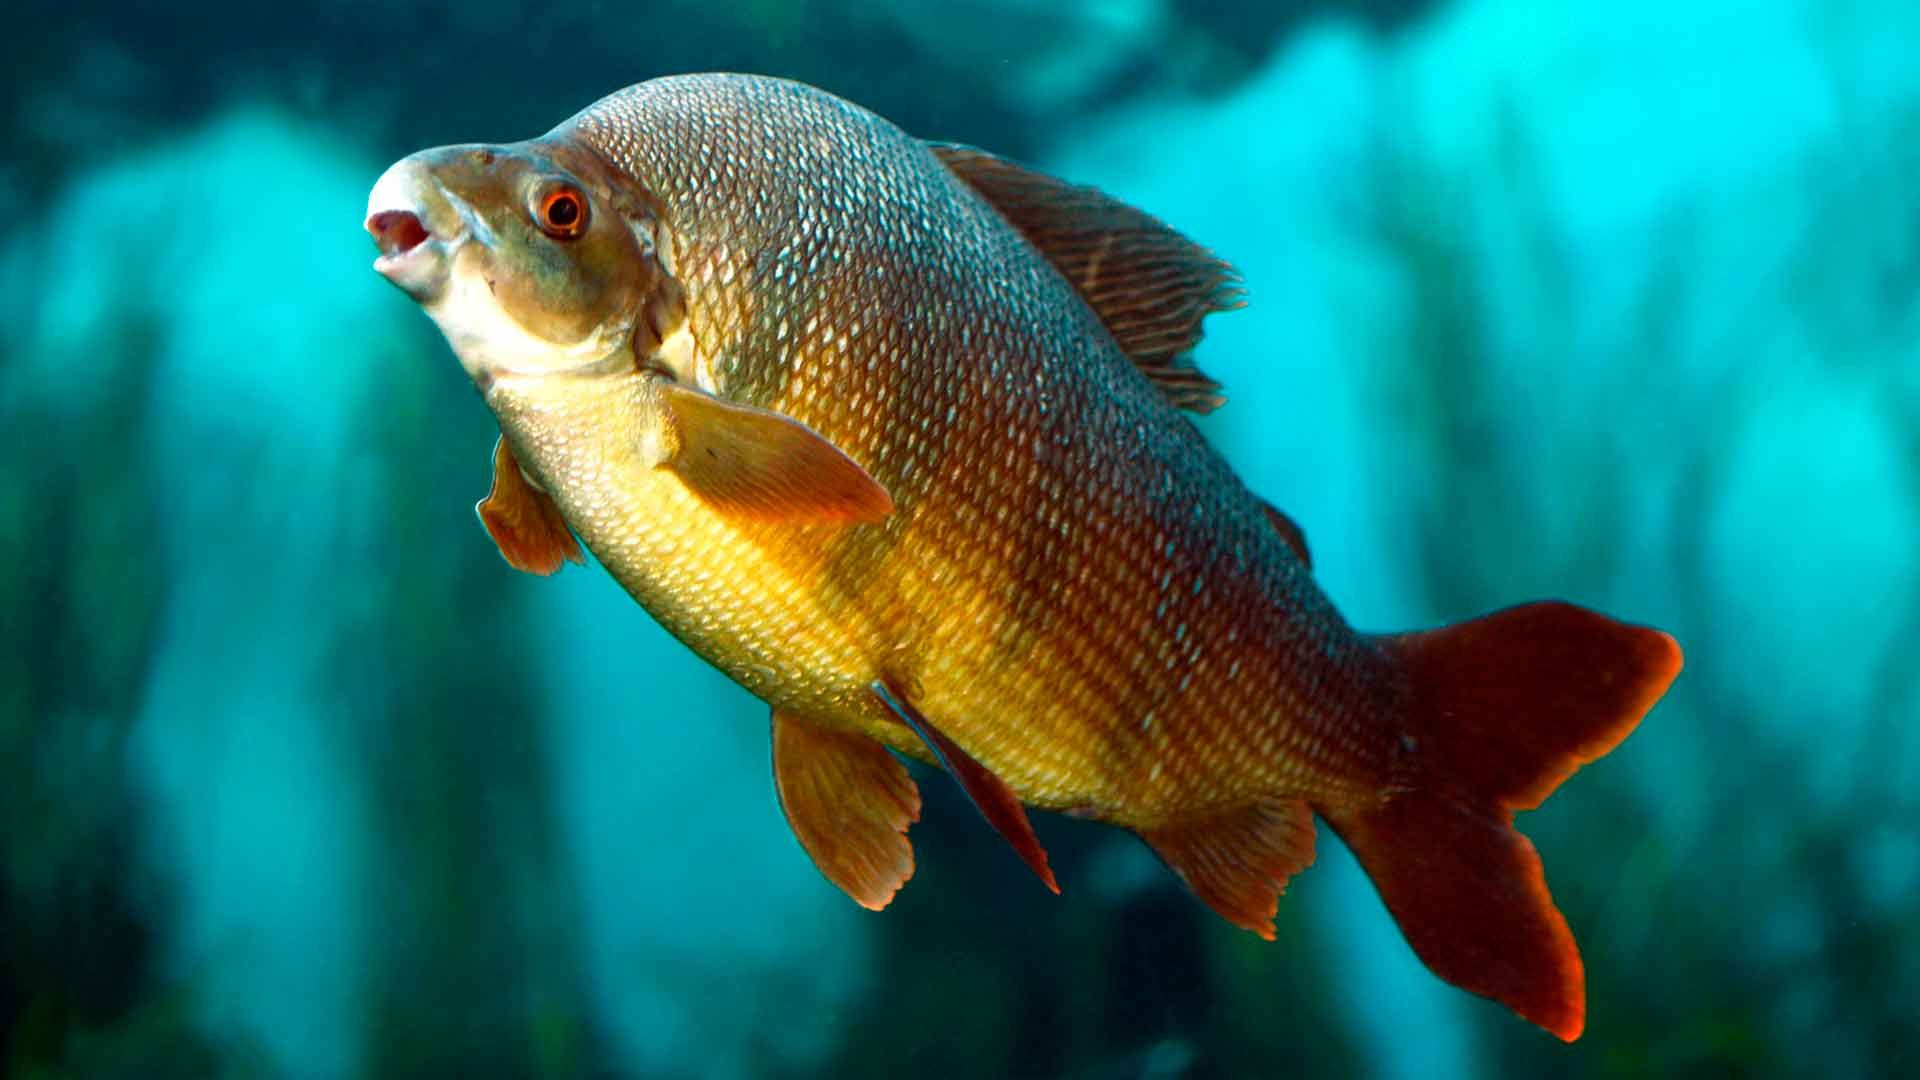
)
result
[(421, 271)]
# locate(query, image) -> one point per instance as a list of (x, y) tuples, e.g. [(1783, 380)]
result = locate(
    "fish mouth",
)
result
[(412, 255), (396, 232)]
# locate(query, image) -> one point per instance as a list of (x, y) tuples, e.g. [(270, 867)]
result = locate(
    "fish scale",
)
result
[(903, 256), (890, 433)]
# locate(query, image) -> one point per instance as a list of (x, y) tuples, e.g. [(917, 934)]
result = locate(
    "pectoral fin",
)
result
[(523, 521), (760, 464), (996, 802), (849, 802), (1238, 861)]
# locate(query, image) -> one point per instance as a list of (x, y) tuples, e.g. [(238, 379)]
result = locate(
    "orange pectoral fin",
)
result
[(850, 803), (989, 793), (1239, 861), (760, 464), (523, 521)]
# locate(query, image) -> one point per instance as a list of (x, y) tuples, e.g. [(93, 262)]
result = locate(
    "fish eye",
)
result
[(561, 213)]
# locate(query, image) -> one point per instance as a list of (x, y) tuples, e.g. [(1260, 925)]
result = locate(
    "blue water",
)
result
[(1614, 302)]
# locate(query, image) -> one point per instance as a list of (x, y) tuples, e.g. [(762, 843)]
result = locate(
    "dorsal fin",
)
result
[(1149, 285), (1290, 532)]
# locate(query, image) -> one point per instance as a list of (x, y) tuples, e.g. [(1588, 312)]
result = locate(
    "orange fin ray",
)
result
[(850, 803), (523, 521), (759, 464), (1151, 286), (1238, 861), (1499, 711), (990, 794), (1289, 531)]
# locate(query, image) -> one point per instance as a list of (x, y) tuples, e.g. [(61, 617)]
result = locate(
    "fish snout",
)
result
[(415, 229)]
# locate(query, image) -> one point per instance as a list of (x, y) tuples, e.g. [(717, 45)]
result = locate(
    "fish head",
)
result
[(534, 258)]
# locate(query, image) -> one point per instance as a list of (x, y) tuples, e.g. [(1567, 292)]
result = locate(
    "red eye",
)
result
[(562, 213)]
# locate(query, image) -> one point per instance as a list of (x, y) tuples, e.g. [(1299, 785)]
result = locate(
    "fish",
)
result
[(898, 435)]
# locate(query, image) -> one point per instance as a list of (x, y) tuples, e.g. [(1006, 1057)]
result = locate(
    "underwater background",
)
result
[(1617, 302)]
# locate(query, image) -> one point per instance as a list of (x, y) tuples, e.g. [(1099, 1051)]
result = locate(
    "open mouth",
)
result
[(396, 232), (411, 256)]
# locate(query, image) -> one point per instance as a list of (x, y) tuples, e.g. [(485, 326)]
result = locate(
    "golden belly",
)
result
[(1073, 702)]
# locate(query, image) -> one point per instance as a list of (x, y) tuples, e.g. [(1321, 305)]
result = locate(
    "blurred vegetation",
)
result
[(1765, 937), (77, 954), (100, 76)]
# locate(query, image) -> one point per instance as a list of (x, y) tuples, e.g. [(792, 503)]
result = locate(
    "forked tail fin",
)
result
[(1501, 709)]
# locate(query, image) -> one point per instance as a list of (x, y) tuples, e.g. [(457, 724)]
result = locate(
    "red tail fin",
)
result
[(1502, 709)]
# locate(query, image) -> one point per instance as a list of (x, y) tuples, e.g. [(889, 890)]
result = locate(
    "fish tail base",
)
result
[(1501, 709)]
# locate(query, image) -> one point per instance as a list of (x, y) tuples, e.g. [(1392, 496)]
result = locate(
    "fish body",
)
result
[(1070, 571), (889, 432)]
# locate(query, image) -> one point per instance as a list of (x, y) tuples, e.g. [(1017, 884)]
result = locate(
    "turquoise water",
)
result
[(1613, 302)]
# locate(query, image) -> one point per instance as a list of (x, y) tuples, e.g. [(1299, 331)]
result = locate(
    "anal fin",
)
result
[(523, 521), (1238, 861), (850, 803), (990, 794)]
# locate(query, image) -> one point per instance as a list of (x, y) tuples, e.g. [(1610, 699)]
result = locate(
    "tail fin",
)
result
[(1502, 709)]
